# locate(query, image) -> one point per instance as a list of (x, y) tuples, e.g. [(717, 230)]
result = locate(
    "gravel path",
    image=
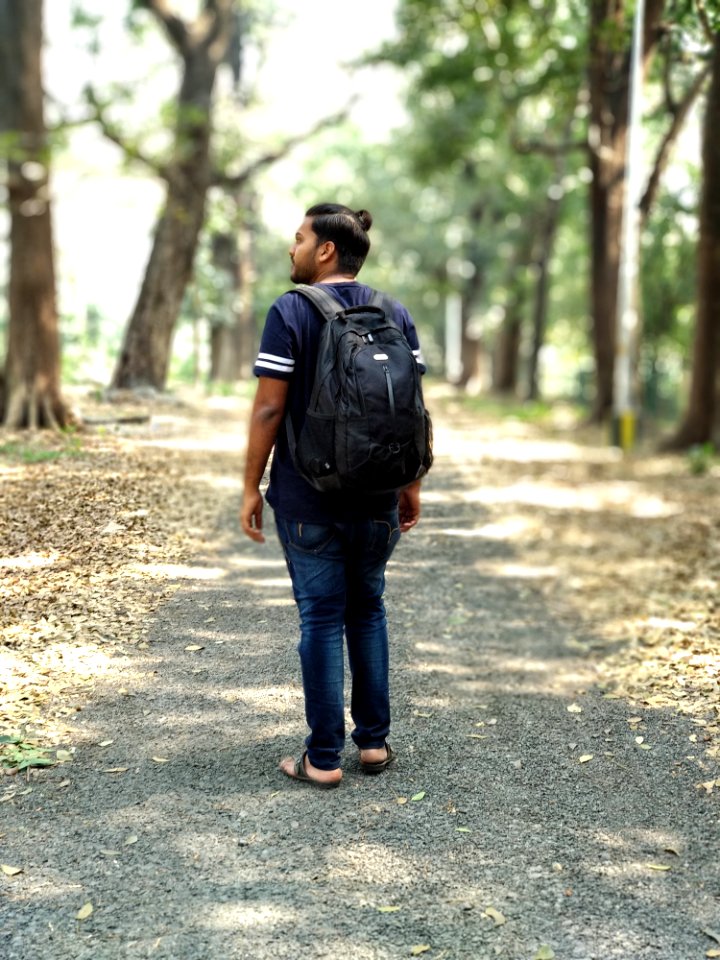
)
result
[(493, 836)]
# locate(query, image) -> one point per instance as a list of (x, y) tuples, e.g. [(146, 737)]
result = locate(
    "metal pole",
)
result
[(624, 401)]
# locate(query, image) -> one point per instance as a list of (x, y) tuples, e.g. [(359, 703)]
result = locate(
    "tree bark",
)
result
[(506, 358), (471, 291), (609, 66), (145, 353), (31, 384), (506, 354), (699, 420), (542, 292), (233, 343)]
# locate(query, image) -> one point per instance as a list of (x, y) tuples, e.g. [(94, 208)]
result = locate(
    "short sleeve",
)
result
[(276, 357), (408, 328)]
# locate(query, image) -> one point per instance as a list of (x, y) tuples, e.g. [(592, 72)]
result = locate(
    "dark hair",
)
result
[(347, 229)]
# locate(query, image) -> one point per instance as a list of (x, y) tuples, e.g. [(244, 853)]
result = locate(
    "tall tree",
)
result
[(484, 77), (30, 395), (702, 411), (609, 87), (201, 45)]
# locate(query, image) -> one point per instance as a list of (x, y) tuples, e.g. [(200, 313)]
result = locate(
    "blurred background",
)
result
[(551, 244)]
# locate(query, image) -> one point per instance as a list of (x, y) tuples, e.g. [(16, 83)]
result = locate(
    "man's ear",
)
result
[(326, 251)]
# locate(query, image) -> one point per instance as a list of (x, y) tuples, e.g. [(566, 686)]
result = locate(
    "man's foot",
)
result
[(377, 759), (301, 769)]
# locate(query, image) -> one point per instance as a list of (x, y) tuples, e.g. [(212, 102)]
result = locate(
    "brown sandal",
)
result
[(299, 773), (379, 765)]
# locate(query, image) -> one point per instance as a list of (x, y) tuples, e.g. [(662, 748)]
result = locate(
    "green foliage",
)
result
[(17, 754), (700, 458), (669, 277)]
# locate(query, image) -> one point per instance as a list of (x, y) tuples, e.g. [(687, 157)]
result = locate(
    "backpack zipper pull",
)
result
[(391, 392)]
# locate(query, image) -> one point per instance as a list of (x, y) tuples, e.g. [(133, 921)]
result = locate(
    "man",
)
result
[(336, 545)]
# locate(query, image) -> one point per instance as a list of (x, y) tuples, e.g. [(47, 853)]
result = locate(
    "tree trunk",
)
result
[(506, 359), (145, 354), (506, 355), (31, 384), (246, 333), (699, 420), (609, 66), (471, 290), (232, 344), (223, 335)]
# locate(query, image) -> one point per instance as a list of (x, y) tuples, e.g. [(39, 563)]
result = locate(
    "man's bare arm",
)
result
[(267, 415)]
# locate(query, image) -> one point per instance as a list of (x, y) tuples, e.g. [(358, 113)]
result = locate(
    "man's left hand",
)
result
[(251, 516)]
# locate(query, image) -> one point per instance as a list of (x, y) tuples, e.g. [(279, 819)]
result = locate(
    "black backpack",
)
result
[(366, 427)]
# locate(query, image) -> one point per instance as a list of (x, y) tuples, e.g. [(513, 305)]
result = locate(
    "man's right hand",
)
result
[(409, 506), (251, 516)]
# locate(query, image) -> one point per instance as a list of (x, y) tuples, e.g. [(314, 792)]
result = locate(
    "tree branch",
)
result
[(216, 33), (549, 149), (705, 21), (111, 132), (174, 26), (237, 181), (679, 116)]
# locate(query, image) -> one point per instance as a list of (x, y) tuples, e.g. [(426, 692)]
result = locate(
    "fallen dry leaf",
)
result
[(84, 912), (495, 915), (10, 871)]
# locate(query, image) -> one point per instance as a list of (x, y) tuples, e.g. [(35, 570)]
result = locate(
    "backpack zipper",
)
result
[(391, 392)]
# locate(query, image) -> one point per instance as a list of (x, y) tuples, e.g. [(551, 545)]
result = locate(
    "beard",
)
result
[(300, 274)]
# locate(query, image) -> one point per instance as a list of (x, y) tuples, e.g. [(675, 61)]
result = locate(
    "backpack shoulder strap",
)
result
[(386, 303), (328, 306)]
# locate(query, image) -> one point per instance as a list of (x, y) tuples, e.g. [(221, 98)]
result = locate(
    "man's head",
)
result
[(332, 240)]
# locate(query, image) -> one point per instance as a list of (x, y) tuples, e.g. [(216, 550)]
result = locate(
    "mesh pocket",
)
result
[(315, 452)]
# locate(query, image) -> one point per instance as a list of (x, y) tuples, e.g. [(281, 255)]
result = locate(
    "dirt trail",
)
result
[(530, 815)]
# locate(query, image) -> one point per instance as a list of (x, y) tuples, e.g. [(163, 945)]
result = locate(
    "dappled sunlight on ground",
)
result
[(105, 533), (29, 561), (235, 916), (169, 571), (627, 498)]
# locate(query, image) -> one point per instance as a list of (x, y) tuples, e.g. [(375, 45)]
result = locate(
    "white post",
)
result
[(624, 405), (453, 338)]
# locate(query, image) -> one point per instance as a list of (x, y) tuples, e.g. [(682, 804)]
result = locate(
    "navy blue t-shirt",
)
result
[(288, 351)]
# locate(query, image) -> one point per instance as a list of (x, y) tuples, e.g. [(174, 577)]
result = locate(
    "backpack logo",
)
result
[(366, 427)]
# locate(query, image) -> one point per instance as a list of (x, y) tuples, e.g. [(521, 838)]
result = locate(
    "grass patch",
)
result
[(501, 408), (30, 453)]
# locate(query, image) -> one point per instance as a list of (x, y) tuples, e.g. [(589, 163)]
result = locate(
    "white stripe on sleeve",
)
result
[(268, 361)]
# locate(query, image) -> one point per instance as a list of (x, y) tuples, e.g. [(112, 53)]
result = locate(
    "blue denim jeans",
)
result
[(338, 578)]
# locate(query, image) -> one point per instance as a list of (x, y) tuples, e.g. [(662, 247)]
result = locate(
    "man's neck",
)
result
[(335, 278)]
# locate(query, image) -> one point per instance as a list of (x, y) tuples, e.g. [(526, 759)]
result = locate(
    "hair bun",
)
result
[(365, 218)]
